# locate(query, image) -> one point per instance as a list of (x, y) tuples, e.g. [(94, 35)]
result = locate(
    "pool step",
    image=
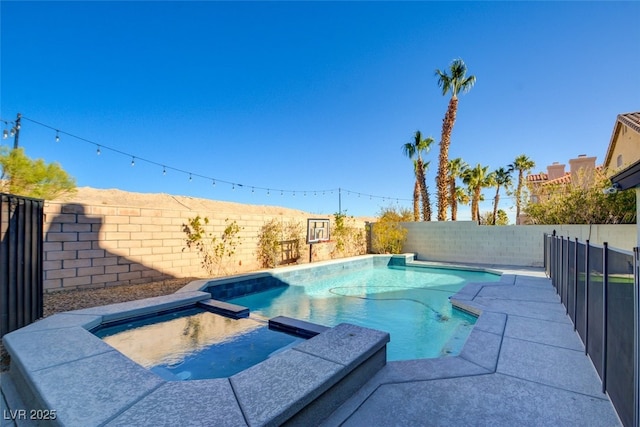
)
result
[(224, 308), (296, 327)]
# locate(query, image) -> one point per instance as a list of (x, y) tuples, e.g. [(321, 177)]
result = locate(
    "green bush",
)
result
[(388, 236)]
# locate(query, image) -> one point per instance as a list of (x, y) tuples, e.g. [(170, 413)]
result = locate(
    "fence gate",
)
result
[(21, 226)]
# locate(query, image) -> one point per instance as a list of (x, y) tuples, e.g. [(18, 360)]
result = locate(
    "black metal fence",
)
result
[(21, 222), (599, 288)]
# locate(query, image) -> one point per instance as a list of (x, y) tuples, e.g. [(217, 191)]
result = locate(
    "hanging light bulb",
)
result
[(233, 187), (281, 193), (5, 134), (252, 190), (268, 192), (57, 136), (190, 178), (133, 161), (213, 182), (98, 151), (164, 170)]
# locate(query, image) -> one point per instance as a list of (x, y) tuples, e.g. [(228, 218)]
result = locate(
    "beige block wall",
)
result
[(98, 246), (519, 245)]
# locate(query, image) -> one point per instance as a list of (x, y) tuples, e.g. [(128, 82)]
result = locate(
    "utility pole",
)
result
[(16, 137)]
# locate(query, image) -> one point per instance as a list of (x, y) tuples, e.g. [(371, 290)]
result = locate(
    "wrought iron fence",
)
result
[(599, 287), (21, 225)]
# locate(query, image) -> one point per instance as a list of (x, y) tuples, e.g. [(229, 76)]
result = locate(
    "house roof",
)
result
[(543, 178), (632, 121)]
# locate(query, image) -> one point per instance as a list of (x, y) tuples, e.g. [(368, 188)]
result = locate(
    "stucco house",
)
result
[(623, 156)]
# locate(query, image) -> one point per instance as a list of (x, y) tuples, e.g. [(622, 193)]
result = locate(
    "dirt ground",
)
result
[(58, 302)]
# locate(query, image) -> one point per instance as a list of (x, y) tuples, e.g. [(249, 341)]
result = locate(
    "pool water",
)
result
[(411, 303), (194, 344)]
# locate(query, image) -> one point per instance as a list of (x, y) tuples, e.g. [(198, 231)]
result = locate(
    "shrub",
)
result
[(349, 240), (214, 252), (388, 236), (273, 235)]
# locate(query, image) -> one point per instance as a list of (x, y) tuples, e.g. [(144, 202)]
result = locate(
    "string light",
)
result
[(6, 134)]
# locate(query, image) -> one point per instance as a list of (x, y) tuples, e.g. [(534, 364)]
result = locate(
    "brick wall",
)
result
[(521, 245), (98, 246)]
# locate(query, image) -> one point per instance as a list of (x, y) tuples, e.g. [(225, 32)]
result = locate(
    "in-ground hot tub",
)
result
[(195, 344), (57, 365)]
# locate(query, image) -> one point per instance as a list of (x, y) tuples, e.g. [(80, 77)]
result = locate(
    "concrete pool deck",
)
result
[(523, 365), (536, 375)]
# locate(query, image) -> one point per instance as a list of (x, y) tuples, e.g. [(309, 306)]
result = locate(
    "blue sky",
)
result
[(310, 96)]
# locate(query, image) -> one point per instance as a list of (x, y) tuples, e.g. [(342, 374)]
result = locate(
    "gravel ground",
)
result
[(57, 302)]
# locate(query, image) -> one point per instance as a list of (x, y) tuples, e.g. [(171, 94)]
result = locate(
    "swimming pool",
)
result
[(193, 344), (411, 303)]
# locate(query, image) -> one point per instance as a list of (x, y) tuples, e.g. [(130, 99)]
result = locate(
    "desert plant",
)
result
[(23, 176), (349, 240), (214, 251), (388, 235), (271, 238), (579, 203)]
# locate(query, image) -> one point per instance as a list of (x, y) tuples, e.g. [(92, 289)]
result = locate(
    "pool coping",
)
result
[(247, 398), (283, 387)]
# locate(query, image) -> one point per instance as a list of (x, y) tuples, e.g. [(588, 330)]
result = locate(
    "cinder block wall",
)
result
[(98, 246), (519, 245)]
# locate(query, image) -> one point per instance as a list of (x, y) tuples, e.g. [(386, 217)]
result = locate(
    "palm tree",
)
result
[(414, 150), (456, 166), (476, 179), (522, 164), (501, 178), (454, 82), (462, 197)]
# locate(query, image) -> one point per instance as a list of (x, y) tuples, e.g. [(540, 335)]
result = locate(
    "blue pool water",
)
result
[(194, 344), (411, 303)]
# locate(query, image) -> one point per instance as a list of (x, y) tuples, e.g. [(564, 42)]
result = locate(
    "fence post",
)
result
[(636, 336), (575, 283), (553, 261), (544, 253), (605, 282), (587, 279), (566, 277), (561, 275)]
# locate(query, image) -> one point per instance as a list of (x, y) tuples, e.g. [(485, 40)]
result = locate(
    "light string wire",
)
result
[(165, 167)]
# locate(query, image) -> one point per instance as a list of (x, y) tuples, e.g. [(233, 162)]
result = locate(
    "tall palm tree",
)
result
[(414, 150), (501, 178), (462, 197), (476, 179), (522, 164), (456, 166), (454, 82)]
